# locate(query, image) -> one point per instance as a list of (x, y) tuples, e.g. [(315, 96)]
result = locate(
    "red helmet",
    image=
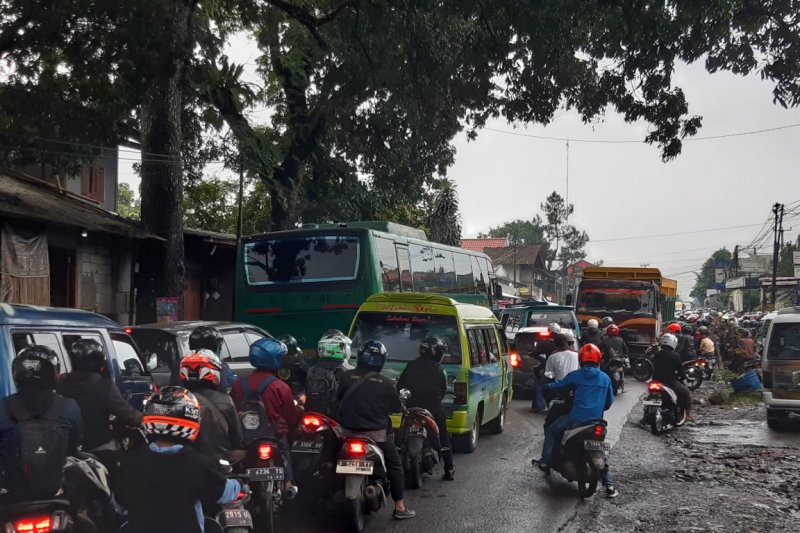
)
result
[(590, 354), (674, 328), (612, 330), (201, 367)]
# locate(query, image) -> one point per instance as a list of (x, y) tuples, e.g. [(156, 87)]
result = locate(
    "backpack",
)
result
[(254, 418), (43, 446), (321, 389)]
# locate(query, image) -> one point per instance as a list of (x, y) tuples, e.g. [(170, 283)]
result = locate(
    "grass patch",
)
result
[(723, 375)]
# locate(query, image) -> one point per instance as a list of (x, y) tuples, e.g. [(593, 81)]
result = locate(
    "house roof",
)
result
[(28, 198), (478, 245), (527, 254), (213, 237)]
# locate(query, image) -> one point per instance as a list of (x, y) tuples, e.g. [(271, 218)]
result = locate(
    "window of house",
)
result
[(387, 259), (93, 179)]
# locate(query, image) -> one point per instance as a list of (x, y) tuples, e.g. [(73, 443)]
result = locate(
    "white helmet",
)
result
[(569, 334), (554, 328), (592, 323), (668, 339), (607, 320)]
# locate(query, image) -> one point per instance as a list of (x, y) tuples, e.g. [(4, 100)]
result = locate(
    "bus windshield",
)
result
[(317, 258), (402, 334), (616, 300)]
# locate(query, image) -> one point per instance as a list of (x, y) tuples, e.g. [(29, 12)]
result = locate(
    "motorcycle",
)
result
[(419, 442), (234, 517), (363, 477), (694, 373), (615, 368), (661, 408), (581, 456), (707, 365), (315, 451), (642, 367), (42, 516), (263, 470)]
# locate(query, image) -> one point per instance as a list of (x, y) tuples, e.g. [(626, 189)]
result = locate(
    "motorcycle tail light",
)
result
[(356, 447), (514, 360), (699, 362), (598, 431), (311, 423), (654, 387), (39, 524), (265, 451), (460, 389)]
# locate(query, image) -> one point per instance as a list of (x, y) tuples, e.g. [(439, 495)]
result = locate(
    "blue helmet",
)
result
[(268, 353), (372, 355)]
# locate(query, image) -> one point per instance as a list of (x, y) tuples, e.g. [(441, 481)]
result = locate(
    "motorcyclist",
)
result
[(427, 382), (325, 376), (266, 356), (366, 400), (686, 344), (563, 360), (674, 328), (614, 345), (544, 348), (295, 368), (219, 425), (208, 338), (98, 398), (592, 333), (35, 372), (593, 395), (667, 369), (570, 336), (604, 324), (163, 484), (707, 348)]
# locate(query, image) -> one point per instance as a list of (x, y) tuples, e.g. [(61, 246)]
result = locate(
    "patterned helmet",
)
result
[(607, 320), (172, 414), (334, 347), (203, 367)]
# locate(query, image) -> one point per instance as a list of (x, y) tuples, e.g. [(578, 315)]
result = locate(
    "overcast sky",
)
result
[(624, 190)]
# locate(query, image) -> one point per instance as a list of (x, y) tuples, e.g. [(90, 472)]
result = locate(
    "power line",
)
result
[(639, 141), (674, 234)]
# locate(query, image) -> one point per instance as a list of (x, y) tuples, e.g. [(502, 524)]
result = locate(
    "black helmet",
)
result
[(87, 355), (35, 367), (205, 338), (686, 329), (702, 330), (292, 345), (432, 349), (372, 355)]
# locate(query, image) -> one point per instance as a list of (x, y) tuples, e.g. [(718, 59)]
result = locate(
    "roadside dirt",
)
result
[(726, 473)]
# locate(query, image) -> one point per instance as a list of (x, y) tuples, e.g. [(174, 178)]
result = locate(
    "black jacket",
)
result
[(427, 383), (98, 397), (220, 431), (367, 408), (667, 367), (591, 336), (686, 347), (613, 345)]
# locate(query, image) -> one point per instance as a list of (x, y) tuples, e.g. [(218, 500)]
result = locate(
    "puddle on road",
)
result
[(743, 432)]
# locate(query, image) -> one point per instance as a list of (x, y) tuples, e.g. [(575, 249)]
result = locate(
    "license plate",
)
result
[(656, 403), (596, 446), (354, 467), (235, 518), (307, 446), (415, 430), (272, 473)]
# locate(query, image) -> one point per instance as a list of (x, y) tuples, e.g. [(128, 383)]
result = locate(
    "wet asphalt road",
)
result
[(496, 488)]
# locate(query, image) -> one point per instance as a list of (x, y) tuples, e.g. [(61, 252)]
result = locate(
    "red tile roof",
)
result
[(478, 245)]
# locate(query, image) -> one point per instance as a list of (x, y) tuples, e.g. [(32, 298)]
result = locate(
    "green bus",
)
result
[(307, 280)]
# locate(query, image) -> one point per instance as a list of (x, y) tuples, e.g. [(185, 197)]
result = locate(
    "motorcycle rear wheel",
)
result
[(354, 515), (642, 369), (587, 488), (694, 378), (681, 418), (657, 423)]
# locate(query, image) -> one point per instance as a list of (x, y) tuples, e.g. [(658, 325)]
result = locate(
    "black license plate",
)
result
[(307, 446), (235, 518), (272, 473)]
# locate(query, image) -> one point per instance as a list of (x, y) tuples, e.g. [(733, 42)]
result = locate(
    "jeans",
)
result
[(553, 436), (539, 402), (444, 440), (394, 469)]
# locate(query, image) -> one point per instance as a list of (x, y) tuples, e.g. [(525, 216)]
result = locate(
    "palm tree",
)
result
[(444, 221)]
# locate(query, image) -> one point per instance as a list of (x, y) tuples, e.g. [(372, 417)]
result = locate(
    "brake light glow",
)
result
[(654, 386), (356, 447), (544, 334), (598, 431), (264, 451), (699, 362), (128, 330), (514, 359), (311, 423), (40, 524)]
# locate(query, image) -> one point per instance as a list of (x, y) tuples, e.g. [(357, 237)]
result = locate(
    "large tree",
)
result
[(518, 231), (705, 279)]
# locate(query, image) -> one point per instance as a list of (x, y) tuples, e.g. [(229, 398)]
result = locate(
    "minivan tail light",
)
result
[(39, 524), (460, 389), (514, 359)]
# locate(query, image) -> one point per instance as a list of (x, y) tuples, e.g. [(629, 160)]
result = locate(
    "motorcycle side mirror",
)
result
[(405, 394)]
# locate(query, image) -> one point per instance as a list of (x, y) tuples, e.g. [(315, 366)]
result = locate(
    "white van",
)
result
[(781, 367)]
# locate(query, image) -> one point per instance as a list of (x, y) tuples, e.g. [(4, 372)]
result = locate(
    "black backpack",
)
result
[(43, 445), (256, 423), (321, 389)]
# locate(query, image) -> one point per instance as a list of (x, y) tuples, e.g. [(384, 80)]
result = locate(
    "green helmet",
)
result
[(334, 347)]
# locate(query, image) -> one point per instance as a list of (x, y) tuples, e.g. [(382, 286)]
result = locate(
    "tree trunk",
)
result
[(162, 171)]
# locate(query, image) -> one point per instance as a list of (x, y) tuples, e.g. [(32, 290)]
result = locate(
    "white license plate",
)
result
[(235, 518), (306, 446), (596, 445), (354, 467), (656, 403), (272, 473), (416, 430)]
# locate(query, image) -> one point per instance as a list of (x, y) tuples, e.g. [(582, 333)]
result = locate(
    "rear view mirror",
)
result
[(405, 394)]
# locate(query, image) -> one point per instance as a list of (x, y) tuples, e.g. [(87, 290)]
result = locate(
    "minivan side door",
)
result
[(484, 374)]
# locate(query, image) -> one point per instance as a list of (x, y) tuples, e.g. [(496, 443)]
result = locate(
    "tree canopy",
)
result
[(705, 279)]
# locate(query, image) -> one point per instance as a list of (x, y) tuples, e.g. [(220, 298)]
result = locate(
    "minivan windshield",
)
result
[(784, 341), (402, 333), (565, 319)]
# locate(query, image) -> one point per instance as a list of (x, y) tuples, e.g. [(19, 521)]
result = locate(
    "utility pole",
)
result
[(238, 231), (777, 211)]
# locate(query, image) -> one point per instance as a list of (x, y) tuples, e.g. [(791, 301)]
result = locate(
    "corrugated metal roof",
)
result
[(478, 245), (27, 198)]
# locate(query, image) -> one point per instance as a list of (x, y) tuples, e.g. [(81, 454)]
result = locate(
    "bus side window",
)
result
[(480, 281), (387, 259), (464, 277), (404, 262)]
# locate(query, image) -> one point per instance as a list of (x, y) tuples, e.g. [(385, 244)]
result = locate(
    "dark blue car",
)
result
[(26, 325)]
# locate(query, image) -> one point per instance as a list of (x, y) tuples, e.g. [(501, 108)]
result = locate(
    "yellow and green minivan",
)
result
[(479, 380)]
